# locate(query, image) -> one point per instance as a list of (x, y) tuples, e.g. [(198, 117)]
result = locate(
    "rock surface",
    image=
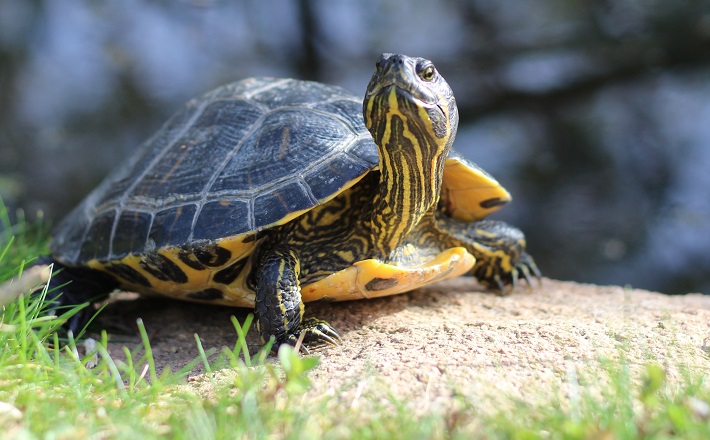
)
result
[(456, 337)]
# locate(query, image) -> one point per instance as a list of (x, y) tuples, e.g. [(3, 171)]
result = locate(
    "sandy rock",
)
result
[(456, 337)]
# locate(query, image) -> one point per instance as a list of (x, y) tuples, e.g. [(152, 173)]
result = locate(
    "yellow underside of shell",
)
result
[(365, 279), (373, 278)]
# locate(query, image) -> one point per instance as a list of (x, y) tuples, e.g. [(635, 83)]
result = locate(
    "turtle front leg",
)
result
[(501, 259), (279, 309)]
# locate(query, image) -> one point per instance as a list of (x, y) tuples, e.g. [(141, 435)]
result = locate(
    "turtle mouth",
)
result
[(416, 96), (413, 95), (394, 97)]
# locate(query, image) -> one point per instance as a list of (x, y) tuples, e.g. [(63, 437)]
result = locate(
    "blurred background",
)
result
[(594, 114)]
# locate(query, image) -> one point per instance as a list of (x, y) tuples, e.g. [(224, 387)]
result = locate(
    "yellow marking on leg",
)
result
[(279, 297), (297, 271)]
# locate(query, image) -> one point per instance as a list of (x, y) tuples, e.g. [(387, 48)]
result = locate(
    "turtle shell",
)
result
[(240, 159)]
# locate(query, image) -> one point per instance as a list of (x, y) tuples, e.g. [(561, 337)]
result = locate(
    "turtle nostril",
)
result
[(397, 59)]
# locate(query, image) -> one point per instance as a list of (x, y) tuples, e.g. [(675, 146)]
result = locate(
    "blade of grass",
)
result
[(241, 344), (130, 368), (7, 247), (205, 362), (108, 361), (148, 352)]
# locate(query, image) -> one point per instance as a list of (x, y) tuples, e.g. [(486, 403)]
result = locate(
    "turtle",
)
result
[(271, 192)]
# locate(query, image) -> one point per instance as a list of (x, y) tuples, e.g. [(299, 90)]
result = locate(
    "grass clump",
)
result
[(648, 407), (47, 388)]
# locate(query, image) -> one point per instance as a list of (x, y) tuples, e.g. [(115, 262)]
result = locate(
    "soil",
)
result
[(453, 336)]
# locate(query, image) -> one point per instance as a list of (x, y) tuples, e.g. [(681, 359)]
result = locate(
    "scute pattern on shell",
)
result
[(236, 160)]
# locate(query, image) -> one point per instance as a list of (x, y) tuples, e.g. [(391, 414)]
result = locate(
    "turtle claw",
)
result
[(515, 277), (506, 281), (311, 331), (499, 282), (317, 330), (530, 270), (525, 272), (536, 272)]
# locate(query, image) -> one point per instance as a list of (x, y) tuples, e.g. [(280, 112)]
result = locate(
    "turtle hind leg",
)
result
[(72, 286), (279, 309)]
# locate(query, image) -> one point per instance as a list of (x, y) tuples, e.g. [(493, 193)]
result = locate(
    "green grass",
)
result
[(46, 391)]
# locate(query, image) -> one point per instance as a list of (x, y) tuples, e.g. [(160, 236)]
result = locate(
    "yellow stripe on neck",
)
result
[(410, 178)]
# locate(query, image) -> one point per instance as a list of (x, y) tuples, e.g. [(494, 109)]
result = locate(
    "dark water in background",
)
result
[(595, 115)]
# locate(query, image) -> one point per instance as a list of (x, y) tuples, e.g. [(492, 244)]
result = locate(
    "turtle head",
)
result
[(409, 106)]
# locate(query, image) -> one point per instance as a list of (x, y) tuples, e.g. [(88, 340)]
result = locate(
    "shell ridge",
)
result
[(122, 199), (255, 126), (247, 95), (307, 189)]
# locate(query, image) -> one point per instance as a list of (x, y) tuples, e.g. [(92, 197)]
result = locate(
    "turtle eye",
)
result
[(426, 72)]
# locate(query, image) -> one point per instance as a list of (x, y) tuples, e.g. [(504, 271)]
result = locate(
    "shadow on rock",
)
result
[(171, 325)]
